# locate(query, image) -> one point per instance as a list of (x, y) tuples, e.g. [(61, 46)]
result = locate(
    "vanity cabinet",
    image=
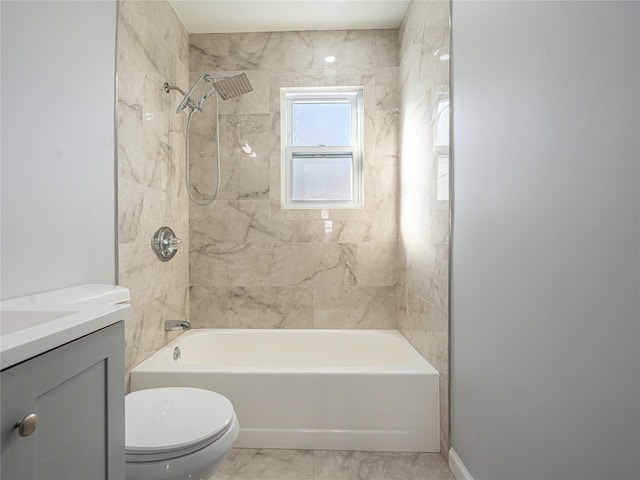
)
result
[(77, 393)]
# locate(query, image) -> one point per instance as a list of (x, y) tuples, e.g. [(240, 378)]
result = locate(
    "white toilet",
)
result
[(177, 433), (174, 433)]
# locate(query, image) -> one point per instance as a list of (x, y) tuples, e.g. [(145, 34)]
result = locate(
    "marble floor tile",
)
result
[(266, 464), (348, 465), (271, 464)]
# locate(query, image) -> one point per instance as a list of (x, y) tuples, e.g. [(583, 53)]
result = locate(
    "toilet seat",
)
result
[(170, 422)]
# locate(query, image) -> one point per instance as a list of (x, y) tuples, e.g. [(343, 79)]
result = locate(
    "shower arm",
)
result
[(168, 88), (187, 101)]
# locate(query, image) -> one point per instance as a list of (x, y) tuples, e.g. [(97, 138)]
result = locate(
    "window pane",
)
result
[(321, 178), (442, 123), (326, 124), (442, 188)]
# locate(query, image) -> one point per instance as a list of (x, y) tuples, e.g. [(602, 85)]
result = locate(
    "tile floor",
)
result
[(270, 464)]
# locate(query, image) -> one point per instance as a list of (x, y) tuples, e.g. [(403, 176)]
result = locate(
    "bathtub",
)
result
[(309, 389)]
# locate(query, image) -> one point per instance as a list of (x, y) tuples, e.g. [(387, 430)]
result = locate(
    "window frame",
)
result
[(291, 95)]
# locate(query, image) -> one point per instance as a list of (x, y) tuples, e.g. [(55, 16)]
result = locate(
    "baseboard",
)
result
[(457, 467)]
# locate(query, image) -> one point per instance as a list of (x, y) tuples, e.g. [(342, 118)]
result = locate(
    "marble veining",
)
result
[(271, 307), (261, 464), (355, 307), (330, 465)]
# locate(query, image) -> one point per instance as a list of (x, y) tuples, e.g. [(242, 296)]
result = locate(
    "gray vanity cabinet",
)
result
[(77, 392)]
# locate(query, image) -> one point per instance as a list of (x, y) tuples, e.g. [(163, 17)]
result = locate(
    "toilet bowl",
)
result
[(177, 433)]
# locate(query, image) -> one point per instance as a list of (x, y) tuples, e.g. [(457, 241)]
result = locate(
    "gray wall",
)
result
[(58, 194), (545, 318)]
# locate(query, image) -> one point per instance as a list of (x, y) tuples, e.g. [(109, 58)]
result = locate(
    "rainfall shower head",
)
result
[(230, 87), (226, 87)]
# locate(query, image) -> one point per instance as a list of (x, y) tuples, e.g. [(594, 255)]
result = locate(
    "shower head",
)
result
[(227, 87), (230, 87)]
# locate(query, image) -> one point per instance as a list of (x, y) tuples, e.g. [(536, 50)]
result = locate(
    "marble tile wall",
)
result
[(255, 265), (424, 218), (153, 47)]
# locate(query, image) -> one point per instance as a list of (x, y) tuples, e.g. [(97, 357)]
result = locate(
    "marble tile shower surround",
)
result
[(424, 220), (255, 265), (252, 264), (152, 48)]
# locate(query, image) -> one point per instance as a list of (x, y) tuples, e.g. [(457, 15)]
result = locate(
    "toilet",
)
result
[(171, 433), (177, 433)]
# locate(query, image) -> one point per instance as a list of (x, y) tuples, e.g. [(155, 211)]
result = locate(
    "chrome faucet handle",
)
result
[(165, 244), (174, 325)]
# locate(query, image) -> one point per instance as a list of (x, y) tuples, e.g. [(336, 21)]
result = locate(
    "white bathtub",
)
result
[(309, 389)]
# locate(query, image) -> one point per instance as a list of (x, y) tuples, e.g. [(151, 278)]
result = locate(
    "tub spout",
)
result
[(173, 325)]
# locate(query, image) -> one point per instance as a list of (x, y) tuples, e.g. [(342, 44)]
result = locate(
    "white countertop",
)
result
[(29, 328)]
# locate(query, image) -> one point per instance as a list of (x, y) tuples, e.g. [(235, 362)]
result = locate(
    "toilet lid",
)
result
[(173, 421)]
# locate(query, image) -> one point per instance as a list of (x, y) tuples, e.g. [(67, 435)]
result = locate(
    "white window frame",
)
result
[(291, 95)]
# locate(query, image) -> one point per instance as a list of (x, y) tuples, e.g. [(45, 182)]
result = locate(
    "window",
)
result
[(441, 145), (321, 147)]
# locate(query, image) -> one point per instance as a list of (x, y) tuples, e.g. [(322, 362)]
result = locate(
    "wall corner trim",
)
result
[(457, 467)]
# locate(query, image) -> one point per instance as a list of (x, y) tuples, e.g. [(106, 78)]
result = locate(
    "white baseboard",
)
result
[(457, 467)]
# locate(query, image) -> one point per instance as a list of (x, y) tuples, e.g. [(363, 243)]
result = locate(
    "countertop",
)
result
[(30, 328)]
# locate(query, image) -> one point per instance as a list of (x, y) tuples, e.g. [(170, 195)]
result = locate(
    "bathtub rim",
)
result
[(162, 359)]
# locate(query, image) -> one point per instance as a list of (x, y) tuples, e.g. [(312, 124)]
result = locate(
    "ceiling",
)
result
[(227, 16)]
